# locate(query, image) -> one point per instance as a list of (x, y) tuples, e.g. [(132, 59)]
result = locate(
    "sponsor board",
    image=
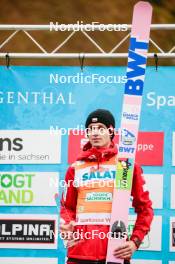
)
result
[(172, 234), (173, 150), (153, 240), (172, 191), (29, 147), (145, 261), (28, 231), (153, 182), (158, 102), (14, 260), (23, 188), (149, 152)]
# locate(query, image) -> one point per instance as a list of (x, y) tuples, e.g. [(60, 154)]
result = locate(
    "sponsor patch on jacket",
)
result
[(98, 196)]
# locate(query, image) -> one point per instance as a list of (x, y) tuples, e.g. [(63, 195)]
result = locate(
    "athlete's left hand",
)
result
[(126, 250)]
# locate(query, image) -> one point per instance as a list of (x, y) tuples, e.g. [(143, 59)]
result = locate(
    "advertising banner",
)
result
[(28, 231), (22, 188), (42, 131)]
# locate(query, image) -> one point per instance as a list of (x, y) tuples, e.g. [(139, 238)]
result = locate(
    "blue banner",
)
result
[(37, 100)]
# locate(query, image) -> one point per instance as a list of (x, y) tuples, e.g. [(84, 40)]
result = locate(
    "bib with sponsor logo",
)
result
[(95, 190)]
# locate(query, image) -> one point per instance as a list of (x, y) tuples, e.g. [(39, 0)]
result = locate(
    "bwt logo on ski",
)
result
[(27, 231), (11, 144), (136, 67), (126, 149)]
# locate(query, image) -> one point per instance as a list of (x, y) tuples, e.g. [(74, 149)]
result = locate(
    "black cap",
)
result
[(101, 116)]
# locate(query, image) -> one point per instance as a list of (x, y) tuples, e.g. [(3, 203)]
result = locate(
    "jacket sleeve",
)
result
[(142, 205), (69, 198)]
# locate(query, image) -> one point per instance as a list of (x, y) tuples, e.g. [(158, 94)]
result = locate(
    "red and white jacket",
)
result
[(90, 204)]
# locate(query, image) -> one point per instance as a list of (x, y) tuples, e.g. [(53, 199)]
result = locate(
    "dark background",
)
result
[(88, 11)]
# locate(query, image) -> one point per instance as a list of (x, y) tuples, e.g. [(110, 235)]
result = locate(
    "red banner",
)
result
[(150, 147)]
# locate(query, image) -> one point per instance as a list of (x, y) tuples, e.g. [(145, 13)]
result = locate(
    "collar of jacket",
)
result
[(90, 153)]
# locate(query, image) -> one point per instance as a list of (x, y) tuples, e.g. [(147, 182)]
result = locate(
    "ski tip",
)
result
[(144, 8), (143, 4)]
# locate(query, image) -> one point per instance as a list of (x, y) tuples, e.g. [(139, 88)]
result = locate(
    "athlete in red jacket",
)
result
[(87, 198)]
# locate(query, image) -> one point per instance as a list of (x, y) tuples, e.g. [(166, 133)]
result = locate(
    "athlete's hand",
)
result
[(67, 230), (125, 251), (67, 234)]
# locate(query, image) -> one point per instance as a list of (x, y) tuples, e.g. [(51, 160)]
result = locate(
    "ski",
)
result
[(137, 57)]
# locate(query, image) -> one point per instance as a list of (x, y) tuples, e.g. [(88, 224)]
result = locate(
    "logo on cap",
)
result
[(94, 119)]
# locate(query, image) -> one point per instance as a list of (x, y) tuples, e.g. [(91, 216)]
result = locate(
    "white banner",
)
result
[(173, 191), (173, 150), (28, 188), (30, 147), (153, 240), (155, 182), (144, 261), (28, 231)]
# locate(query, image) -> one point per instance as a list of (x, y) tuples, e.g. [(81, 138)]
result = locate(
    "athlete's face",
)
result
[(99, 135)]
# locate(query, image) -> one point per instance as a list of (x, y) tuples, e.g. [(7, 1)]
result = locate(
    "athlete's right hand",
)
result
[(67, 231)]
